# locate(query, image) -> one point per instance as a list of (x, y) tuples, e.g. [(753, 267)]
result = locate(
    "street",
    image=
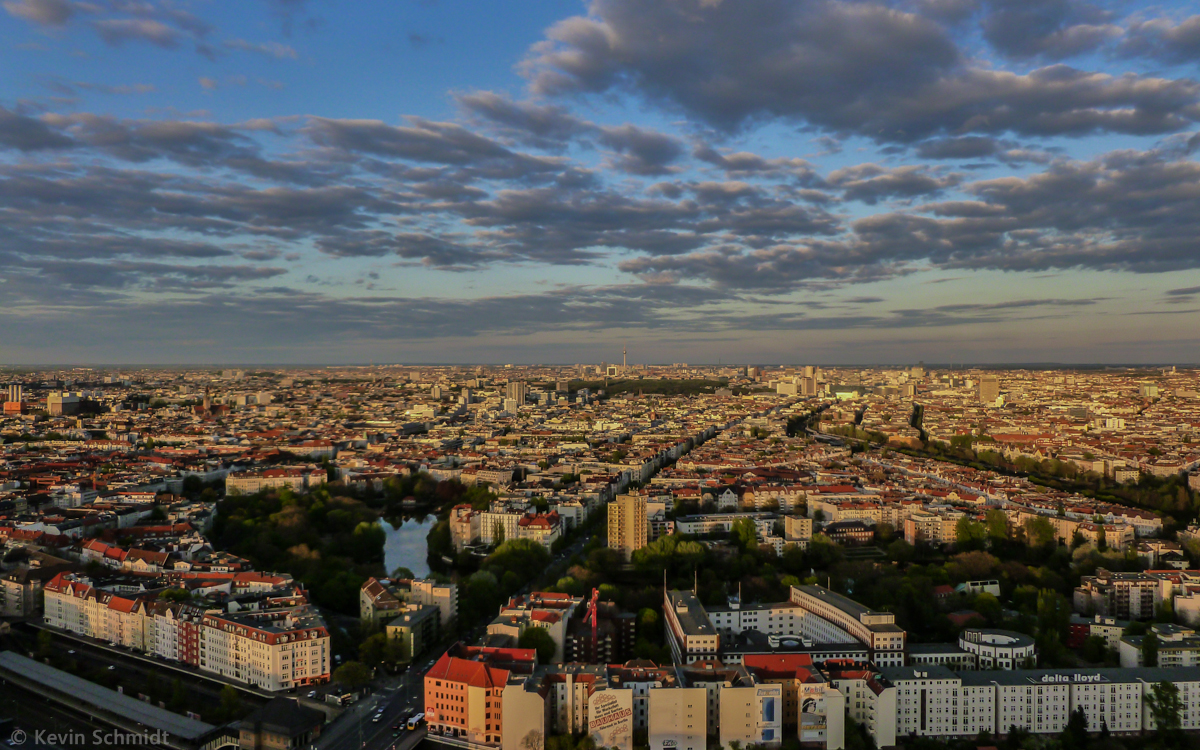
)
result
[(401, 697)]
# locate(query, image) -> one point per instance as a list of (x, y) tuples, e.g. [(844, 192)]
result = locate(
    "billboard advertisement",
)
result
[(610, 718)]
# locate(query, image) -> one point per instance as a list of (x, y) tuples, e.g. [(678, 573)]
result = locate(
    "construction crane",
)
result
[(593, 614)]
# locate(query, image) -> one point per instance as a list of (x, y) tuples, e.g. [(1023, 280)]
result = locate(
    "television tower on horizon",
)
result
[(624, 363)]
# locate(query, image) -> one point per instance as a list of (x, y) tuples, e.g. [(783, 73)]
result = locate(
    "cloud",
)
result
[(28, 133), (637, 150), (117, 31), (967, 147), (843, 67), (742, 164), (1163, 40), (641, 151), (543, 126), (420, 41), (1184, 292), (871, 183), (1051, 29), (276, 50), (44, 12)]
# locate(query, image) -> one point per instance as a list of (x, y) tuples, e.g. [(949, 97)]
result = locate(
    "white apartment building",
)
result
[(275, 649), (998, 649), (298, 479), (876, 630), (678, 718), (690, 633), (502, 521)]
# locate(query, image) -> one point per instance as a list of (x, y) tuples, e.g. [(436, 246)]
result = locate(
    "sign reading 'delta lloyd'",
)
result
[(1077, 677), (610, 718)]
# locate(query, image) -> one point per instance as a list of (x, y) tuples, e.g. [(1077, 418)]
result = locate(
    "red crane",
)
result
[(593, 614)]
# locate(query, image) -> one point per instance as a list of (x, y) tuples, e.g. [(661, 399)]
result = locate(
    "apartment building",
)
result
[(678, 719), (1126, 596), (547, 610), (274, 650), (499, 524), (998, 649), (279, 648), (1178, 646), (836, 615), (383, 599), (295, 478), (691, 635), (464, 692), (627, 524)]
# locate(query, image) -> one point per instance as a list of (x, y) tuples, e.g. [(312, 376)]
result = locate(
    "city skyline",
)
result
[(294, 182)]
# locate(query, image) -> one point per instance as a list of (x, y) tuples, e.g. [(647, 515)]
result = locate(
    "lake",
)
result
[(405, 544)]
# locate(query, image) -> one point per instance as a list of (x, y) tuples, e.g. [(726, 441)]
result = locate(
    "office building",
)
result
[(998, 649), (16, 392), (627, 524), (517, 390), (989, 389), (837, 615)]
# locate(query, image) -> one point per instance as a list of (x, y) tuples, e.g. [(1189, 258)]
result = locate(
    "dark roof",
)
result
[(283, 716)]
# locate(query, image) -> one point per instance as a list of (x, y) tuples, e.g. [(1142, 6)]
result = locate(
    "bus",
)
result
[(415, 721)]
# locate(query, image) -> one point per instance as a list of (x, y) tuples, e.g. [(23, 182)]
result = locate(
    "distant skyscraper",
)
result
[(517, 391), (627, 526), (989, 388), (15, 392)]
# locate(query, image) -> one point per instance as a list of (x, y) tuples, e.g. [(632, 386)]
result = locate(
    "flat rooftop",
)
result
[(694, 620), (148, 715), (850, 607)]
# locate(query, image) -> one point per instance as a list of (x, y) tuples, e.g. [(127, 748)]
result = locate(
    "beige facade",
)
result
[(627, 524), (678, 718), (751, 715)]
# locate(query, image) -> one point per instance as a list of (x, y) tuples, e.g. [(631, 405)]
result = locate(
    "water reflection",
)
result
[(405, 545)]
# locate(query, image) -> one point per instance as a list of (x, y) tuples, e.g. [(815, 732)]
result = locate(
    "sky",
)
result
[(702, 181)]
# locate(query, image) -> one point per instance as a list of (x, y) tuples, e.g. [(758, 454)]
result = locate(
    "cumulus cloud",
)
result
[(26, 133), (845, 67), (871, 183), (1052, 29), (1164, 40)]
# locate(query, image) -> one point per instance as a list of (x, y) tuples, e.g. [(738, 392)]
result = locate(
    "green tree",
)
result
[(497, 533), (540, 640), (1074, 736), (1150, 649), (1039, 532), (744, 533), (969, 534), (231, 703), (997, 525), (179, 696), (378, 650), (45, 642), (1166, 709), (352, 674), (1053, 619), (1095, 648)]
